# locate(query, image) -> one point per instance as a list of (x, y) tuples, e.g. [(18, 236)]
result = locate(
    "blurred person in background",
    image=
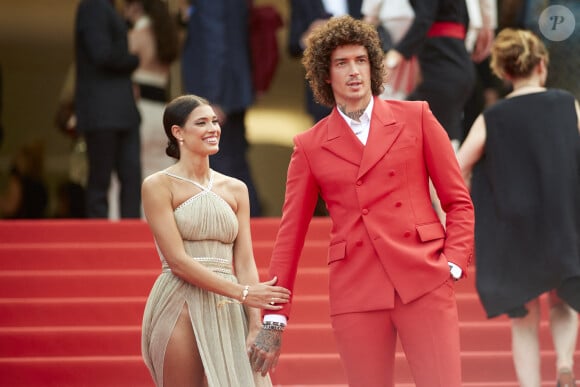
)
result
[(522, 161), (106, 113), (216, 64), (26, 196), (394, 17), (437, 36), (154, 39), (564, 54), (71, 199), (305, 17)]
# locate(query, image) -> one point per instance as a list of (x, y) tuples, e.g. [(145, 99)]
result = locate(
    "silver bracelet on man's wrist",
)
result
[(273, 326)]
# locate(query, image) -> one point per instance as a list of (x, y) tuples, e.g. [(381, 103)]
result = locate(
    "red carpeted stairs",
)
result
[(72, 295)]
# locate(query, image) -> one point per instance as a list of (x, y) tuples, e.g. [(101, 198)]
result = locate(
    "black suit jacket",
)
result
[(104, 93), (216, 61)]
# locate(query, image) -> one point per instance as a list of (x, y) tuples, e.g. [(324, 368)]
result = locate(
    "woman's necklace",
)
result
[(203, 181)]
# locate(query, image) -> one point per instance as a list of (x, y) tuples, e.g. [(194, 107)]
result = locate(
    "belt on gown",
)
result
[(218, 265)]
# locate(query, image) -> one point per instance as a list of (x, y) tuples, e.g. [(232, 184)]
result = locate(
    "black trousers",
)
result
[(448, 78), (108, 151)]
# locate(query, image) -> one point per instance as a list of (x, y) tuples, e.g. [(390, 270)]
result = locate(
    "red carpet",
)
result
[(72, 296)]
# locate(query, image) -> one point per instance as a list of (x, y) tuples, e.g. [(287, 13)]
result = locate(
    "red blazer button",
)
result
[(407, 234), (365, 211)]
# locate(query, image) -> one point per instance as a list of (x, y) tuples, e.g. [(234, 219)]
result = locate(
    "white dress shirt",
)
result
[(361, 127)]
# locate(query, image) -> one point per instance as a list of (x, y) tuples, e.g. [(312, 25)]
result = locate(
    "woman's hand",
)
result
[(267, 296)]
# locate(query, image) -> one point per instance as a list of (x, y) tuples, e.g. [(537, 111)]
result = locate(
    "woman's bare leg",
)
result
[(182, 365), (564, 328), (526, 346)]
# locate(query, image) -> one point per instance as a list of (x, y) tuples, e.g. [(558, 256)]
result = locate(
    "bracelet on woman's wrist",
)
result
[(245, 293)]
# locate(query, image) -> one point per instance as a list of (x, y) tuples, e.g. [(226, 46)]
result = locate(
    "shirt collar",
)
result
[(364, 118)]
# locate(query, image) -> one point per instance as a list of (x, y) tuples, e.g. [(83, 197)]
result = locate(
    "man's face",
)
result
[(350, 75)]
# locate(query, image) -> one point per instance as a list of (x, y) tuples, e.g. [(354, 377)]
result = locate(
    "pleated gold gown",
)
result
[(209, 228)]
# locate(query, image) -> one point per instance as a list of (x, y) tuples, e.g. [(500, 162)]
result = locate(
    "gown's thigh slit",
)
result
[(182, 364)]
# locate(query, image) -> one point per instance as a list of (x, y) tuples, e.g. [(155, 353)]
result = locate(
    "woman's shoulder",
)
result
[(561, 94), (229, 183), (535, 99), (156, 181)]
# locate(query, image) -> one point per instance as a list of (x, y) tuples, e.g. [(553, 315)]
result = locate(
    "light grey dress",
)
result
[(209, 228)]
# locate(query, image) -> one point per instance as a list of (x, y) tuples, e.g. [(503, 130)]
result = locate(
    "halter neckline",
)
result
[(200, 186)]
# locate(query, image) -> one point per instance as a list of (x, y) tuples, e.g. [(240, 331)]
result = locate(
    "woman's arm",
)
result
[(246, 269), (244, 262), (472, 149), (156, 198)]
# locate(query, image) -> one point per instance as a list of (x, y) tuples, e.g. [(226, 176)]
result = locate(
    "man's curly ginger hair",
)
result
[(340, 31)]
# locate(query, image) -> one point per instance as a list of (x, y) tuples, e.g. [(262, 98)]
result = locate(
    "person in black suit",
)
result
[(437, 37), (305, 16), (216, 65), (107, 116)]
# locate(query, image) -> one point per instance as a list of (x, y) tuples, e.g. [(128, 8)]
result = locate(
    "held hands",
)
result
[(264, 348), (265, 296)]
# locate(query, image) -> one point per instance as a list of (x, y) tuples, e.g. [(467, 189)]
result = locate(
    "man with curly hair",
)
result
[(392, 263)]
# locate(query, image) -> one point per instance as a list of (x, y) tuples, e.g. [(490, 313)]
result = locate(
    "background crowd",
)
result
[(111, 105), (183, 32)]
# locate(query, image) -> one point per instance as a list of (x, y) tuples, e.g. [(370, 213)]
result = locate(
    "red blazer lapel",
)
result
[(383, 132), (339, 142)]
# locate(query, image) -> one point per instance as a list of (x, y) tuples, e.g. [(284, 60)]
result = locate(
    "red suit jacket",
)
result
[(385, 235)]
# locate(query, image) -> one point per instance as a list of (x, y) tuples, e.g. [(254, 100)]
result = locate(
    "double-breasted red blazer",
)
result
[(385, 236)]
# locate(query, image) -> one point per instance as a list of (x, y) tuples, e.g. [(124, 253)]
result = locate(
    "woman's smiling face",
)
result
[(201, 132)]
